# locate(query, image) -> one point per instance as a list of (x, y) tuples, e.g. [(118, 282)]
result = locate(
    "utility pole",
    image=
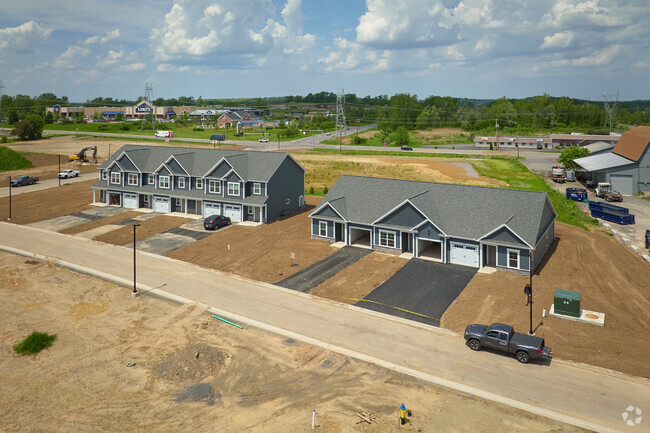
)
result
[(59, 177), (2, 92), (496, 126)]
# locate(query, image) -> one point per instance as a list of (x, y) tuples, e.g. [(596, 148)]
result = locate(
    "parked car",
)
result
[(406, 147), (504, 338), (215, 221), (328, 133), (263, 140), (68, 173), (23, 180)]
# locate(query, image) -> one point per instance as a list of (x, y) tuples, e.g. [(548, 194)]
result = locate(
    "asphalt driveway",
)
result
[(422, 291), (315, 274)]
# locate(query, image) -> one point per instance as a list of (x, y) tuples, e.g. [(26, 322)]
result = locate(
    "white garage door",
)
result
[(211, 209), (161, 204), (622, 183), (233, 212), (463, 254), (130, 201)]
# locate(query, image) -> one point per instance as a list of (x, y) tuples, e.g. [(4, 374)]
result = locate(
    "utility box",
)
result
[(566, 303)]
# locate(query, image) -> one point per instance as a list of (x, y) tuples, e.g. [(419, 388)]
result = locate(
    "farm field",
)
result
[(144, 364), (420, 137)]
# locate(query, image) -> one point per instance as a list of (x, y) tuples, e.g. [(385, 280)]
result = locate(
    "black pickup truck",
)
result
[(503, 337), (23, 180)]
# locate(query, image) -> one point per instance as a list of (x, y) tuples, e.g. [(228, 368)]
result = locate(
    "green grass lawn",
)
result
[(518, 176), (34, 343), (12, 160), (390, 153)]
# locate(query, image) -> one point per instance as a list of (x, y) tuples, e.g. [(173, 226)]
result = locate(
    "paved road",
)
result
[(579, 394), (48, 183), (422, 290), (310, 277)]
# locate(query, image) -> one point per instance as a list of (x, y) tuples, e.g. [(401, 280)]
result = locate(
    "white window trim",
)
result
[(116, 177), (132, 176), (322, 225), (199, 183), (508, 251), (104, 174), (251, 210), (181, 182), (178, 202), (145, 199), (387, 244), (152, 179), (217, 186), (233, 185), (257, 188), (162, 180)]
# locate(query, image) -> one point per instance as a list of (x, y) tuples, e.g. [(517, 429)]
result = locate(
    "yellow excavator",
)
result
[(81, 156)]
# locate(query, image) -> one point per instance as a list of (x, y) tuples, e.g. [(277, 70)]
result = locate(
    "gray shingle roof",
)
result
[(251, 165), (462, 211)]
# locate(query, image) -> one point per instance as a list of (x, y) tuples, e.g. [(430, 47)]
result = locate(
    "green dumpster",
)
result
[(567, 303)]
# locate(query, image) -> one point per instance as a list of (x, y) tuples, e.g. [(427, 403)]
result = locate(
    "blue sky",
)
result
[(228, 49)]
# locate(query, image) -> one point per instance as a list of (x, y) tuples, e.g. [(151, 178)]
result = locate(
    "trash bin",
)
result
[(567, 303), (647, 238)]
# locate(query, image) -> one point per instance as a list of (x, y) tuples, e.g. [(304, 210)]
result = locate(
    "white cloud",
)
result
[(133, 67), (557, 40), (110, 59), (22, 39), (598, 58), (108, 36), (71, 58)]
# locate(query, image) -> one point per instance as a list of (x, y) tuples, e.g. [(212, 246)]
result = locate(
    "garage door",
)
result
[(622, 183), (211, 209), (463, 254), (233, 212), (161, 204), (130, 201)]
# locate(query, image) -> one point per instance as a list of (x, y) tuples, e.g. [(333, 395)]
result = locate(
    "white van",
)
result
[(165, 134)]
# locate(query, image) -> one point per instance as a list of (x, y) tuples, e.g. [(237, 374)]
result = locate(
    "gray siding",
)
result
[(429, 231), (502, 257), (288, 182), (640, 172), (126, 163), (405, 216), (548, 217), (175, 167), (505, 235), (232, 177), (163, 171), (544, 244), (220, 170), (176, 181), (250, 189), (328, 212), (315, 228)]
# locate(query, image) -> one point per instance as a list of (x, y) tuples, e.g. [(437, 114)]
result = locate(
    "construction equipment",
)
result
[(558, 174), (81, 156), (604, 190)]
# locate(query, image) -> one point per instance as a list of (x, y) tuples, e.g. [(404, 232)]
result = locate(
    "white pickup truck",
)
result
[(68, 173)]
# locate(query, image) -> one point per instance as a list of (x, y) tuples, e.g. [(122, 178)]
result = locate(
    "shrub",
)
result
[(491, 147), (33, 344), (325, 190), (3, 139), (311, 190), (197, 129)]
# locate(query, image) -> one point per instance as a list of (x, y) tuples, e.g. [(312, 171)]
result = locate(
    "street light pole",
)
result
[(496, 126), (134, 292), (9, 177), (59, 177)]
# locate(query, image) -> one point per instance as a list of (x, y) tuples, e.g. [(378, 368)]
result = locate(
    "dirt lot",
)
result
[(40, 205), (148, 228), (146, 365), (611, 279), (261, 253), (326, 169), (100, 222), (359, 279)]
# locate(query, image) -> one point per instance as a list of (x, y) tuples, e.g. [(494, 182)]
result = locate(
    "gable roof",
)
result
[(602, 161), (250, 165), (462, 211), (633, 142)]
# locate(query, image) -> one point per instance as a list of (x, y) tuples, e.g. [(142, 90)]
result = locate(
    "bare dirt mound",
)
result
[(611, 279), (192, 363)]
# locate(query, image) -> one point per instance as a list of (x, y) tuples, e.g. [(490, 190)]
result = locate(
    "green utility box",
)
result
[(567, 303)]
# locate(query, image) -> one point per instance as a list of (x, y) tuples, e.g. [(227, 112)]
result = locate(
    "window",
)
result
[(322, 229), (214, 186), (163, 181), (181, 182), (152, 179), (513, 259), (251, 210), (145, 198), (386, 239), (199, 183), (257, 188), (233, 188), (132, 179), (104, 175), (116, 177), (178, 202)]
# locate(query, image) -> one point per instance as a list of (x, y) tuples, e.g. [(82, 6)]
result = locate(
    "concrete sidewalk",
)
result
[(582, 395)]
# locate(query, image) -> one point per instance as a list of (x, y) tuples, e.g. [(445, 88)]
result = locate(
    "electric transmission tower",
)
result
[(2, 92), (610, 112), (340, 110), (148, 97)]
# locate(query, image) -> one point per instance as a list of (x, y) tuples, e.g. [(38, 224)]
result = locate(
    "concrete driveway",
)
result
[(175, 238), (315, 274), (77, 218), (422, 291)]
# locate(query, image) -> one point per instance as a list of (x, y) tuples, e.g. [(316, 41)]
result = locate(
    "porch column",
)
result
[(185, 207)]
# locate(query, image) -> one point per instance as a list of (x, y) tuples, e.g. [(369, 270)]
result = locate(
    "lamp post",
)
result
[(59, 177), (496, 127), (530, 294), (134, 292), (9, 177)]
